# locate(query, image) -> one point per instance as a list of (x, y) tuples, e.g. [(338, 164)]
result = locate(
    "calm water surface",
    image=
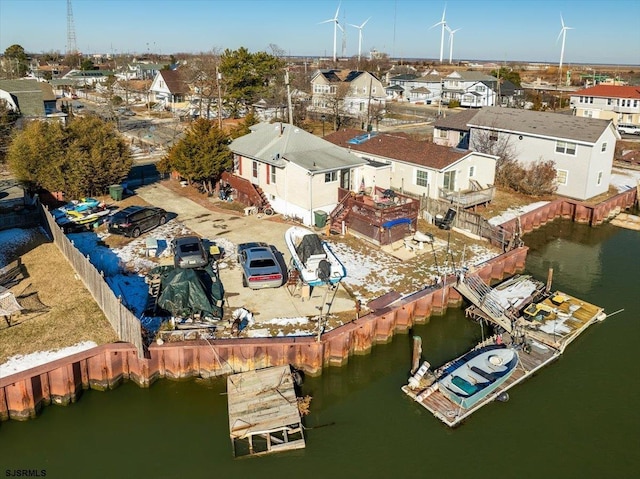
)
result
[(578, 418)]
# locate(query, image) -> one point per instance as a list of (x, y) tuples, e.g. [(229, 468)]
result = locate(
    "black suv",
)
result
[(134, 220)]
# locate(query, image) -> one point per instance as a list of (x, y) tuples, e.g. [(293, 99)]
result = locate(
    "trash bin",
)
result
[(321, 218), (115, 191)]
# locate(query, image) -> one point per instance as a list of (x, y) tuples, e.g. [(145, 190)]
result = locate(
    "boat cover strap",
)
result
[(488, 376)]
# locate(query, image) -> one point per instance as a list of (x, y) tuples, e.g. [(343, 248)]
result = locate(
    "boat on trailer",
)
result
[(313, 257), (477, 374)]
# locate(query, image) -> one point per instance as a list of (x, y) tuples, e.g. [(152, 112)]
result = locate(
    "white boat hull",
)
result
[(310, 269)]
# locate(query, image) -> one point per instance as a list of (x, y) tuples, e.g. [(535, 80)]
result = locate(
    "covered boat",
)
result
[(477, 374), (313, 257)]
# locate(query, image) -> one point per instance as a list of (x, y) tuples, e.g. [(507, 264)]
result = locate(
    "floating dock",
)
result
[(263, 412), (540, 337)]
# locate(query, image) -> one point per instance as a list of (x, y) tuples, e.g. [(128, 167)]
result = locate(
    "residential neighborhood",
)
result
[(313, 218)]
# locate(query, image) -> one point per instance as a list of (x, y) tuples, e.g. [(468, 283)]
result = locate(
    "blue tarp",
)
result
[(398, 221)]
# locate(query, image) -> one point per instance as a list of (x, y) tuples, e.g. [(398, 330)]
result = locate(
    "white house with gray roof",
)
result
[(472, 89), (581, 148), (298, 172)]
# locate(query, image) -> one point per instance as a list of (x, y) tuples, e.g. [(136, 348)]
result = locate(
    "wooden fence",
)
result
[(124, 322)]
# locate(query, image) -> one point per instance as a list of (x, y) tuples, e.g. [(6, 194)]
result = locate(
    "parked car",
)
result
[(260, 268), (189, 252), (134, 220)]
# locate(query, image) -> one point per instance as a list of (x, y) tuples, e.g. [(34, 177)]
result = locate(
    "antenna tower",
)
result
[(71, 30)]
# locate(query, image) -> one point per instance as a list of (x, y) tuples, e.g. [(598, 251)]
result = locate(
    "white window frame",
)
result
[(255, 169), (599, 178), (560, 174), (418, 180), (273, 174), (566, 148), (472, 171), (604, 146), (330, 176)]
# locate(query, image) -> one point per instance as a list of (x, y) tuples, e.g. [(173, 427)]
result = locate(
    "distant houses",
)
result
[(621, 104)]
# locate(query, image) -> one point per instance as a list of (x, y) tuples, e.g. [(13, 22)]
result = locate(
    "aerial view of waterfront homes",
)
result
[(167, 197)]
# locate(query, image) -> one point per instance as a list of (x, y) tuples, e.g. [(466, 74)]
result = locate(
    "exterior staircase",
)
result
[(339, 214), (475, 290), (246, 192)]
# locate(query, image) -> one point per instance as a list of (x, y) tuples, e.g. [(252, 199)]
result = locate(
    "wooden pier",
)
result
[(263, 412), (538, 343)]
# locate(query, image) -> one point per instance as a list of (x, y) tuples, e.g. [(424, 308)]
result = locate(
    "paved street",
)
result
[(214, 225)]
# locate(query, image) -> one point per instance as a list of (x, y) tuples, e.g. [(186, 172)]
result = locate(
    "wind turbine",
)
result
[(360, 27), (563, 33), (451, 33), (442, 22), (336, 25)]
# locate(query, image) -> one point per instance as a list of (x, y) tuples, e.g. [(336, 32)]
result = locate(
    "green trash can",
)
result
[(115, 191), (321, 218)]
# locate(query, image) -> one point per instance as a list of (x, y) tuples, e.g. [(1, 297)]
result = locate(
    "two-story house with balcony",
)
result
[(581, 148), (609, 102), (470, 88), (356, 94)]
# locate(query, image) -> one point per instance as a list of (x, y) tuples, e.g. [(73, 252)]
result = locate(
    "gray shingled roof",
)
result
[(276, 143), (538, 123), (456, 120), (471, 75), (30, 95)]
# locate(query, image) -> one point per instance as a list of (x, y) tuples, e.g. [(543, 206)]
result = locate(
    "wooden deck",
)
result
[(538, 345), (263, 412)]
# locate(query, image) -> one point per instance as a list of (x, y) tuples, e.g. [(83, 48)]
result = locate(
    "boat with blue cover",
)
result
[(477, 374)]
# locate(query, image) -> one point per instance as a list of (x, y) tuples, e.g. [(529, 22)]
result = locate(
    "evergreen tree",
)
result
[(201, 155)]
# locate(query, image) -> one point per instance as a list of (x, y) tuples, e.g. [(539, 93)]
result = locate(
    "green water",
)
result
[(578, 418)]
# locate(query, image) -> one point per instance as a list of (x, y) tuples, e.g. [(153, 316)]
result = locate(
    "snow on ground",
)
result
[(300, 324), (12, 239), (19, 363), (623, 179), (514, 212), (374, 271)]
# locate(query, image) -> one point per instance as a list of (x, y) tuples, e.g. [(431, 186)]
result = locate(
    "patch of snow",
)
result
[(11, 239), (19, 363), (623, 179), (514, 212)]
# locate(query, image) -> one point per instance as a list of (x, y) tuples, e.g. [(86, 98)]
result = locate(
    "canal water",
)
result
[(578, 418)]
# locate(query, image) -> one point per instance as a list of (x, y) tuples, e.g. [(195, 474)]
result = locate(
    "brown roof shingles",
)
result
[(398, 147)]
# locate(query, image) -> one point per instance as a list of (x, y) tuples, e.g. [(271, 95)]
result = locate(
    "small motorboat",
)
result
[(477, 374), (313, 257)]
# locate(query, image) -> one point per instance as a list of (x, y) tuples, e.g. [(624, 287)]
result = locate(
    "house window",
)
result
[(590, 99), (609, 101), (449, 181), (331, 176), (588, 113), (480, 88), (565, 148), (422, 178), (604, 146), (493, 137), (472, 171), (562, 176), (273, 174), (443, 133), (599, 181), (254, 169)]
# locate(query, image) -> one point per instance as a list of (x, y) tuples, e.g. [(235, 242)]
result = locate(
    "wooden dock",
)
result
[(263, 412), (538, 344)]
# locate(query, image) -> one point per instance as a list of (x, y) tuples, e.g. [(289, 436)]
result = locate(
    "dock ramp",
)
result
[(481, 295)]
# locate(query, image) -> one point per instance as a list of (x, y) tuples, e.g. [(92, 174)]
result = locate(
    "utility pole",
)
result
[(218, 78), (286, 80)]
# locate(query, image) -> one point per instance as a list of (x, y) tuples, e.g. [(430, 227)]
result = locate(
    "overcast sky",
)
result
[(517, 30)]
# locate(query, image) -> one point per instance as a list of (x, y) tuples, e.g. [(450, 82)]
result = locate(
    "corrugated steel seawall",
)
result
[(23, 394)]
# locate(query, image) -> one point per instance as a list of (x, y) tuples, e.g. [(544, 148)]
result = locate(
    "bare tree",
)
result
[(202, 74)]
